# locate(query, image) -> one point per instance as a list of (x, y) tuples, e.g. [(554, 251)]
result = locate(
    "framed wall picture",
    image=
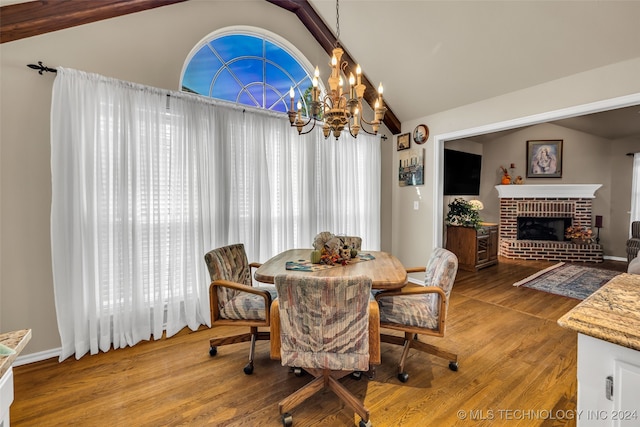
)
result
[(411, 167), (544, 158), (404, 141), (420, 134)]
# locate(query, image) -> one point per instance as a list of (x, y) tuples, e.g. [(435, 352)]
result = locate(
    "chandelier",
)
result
[(337, 108)]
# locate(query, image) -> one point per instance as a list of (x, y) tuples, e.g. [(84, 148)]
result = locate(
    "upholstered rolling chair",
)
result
[(633, 244), (330, 328), (235, 301), (420, 309)]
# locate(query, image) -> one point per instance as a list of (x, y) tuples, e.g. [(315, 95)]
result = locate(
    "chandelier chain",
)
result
[(337, 23)]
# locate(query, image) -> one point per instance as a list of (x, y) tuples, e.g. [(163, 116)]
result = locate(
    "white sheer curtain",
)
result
[(295, 187), (635, 191), (145, 181)]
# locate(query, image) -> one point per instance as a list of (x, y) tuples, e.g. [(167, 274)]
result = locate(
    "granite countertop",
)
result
[(612, 313), (16, 340)]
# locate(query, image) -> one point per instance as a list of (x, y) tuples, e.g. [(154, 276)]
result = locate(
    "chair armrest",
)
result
[(240, 287), (374, 333), (274, 329), (412, 290), (254, 265), (416, 269), (213, 296)]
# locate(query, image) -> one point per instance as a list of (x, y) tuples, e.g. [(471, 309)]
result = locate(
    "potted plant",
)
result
[(463, 214), (579, 235)]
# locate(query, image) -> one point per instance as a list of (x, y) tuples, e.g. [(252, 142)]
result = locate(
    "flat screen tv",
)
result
[(461, 173)]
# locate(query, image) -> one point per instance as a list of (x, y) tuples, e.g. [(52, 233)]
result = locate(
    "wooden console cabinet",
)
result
[(475, 249)]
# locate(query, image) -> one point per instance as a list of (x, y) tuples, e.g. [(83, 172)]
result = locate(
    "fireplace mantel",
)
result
[(525, 191)]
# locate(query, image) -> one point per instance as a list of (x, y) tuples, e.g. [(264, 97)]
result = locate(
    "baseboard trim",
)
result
[(38, 357), (615, 258)]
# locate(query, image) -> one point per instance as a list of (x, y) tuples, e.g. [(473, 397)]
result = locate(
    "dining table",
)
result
[(384, 269)]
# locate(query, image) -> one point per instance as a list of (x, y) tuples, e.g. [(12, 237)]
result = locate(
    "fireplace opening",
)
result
[(536, 228)]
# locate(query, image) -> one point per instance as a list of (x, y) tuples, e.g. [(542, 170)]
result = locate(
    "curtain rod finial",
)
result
[(41, 68)]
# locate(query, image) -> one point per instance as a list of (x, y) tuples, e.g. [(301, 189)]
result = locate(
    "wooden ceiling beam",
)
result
[(323, 34), (21, 20)]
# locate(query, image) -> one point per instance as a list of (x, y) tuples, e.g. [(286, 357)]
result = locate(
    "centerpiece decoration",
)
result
[(331, 250), (579, 235), (463, 213)]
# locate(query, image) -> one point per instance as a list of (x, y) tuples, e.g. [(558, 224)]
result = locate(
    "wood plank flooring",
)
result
[(517, 368)]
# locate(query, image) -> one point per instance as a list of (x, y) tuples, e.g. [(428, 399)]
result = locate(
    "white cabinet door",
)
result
[(598, 360), (626, 394)]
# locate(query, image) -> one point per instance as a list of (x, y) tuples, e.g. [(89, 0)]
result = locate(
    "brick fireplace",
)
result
[(561, 204)]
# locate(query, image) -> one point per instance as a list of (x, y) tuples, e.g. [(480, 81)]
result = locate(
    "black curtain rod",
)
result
[(631, 154), (42, 68)]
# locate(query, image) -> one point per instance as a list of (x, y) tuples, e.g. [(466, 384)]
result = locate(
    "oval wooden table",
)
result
[(385, 271)]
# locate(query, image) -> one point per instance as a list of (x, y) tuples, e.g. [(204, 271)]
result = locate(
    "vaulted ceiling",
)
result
[(431, 55), (438, 55)]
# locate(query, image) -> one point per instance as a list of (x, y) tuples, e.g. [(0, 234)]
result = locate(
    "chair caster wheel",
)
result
[(453, 366), (403, 377), (297, 372), (363, 424), (213, 351), (287, 420), (248, 369), (356, 375)]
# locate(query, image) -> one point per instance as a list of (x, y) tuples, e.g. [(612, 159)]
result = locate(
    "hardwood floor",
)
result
[(517, 367)]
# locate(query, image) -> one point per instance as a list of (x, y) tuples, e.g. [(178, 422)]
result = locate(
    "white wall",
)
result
[(416, 233), (586, 159)]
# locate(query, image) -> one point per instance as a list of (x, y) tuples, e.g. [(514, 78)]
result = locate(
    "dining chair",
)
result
[(420, 309), (329, 327), (235, 301)]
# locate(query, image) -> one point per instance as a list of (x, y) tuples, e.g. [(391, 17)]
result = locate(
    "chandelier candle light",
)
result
[(337, 108)]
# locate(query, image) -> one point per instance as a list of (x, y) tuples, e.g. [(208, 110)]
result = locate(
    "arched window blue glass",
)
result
[(247, 69)]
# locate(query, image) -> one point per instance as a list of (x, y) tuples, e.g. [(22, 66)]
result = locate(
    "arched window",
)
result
[(246, 66)]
